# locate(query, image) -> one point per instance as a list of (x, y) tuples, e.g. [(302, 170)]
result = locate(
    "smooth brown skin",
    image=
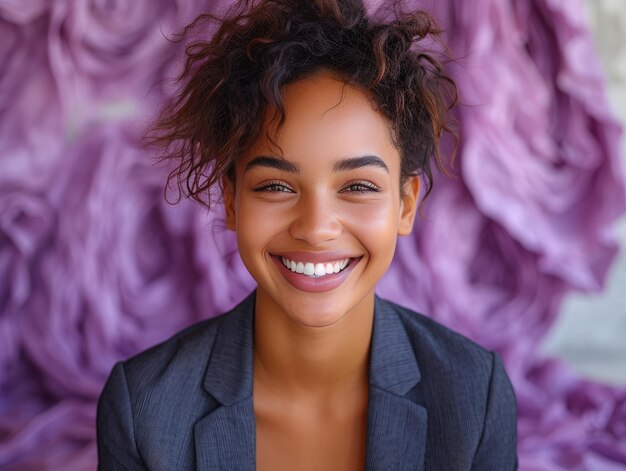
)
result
[(311, 349)]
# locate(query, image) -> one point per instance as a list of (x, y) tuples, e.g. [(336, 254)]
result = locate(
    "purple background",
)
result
[(95, 266)]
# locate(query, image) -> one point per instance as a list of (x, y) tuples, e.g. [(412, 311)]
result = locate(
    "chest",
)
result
[(311, 438), (311, 443)]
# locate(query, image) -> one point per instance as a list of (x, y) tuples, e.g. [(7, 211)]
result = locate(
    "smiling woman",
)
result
[(337, 168), (317, 121)]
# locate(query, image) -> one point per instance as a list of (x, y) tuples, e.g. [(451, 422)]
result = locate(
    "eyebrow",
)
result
[(353, 163), (343, 165), (272, 162)]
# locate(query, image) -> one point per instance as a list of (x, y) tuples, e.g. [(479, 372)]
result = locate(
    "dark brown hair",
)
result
[(231, 78)]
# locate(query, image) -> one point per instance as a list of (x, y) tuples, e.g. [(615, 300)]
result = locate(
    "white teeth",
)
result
[(315, 269), (309, 269)]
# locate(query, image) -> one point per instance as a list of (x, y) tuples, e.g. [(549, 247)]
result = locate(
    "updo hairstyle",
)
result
[(230, 79)]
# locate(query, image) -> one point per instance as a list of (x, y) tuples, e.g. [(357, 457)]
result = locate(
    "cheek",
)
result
[(375, 225), (379, 213), (383, 212), (250, 222), (261, 218), (257, 225)]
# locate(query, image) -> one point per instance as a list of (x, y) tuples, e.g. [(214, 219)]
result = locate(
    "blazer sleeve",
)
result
[(117, 448), (497, 447)]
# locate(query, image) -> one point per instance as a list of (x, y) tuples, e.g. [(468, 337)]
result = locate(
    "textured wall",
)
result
[(94, 266), (591, 330)]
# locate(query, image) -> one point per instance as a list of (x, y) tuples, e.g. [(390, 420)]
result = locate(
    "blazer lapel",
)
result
[(225, 439), (396, 426)]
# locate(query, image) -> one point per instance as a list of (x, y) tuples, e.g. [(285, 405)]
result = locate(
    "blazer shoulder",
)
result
[(156, 396), (181, 359), (470, 399), (193, 342), (442, 349)]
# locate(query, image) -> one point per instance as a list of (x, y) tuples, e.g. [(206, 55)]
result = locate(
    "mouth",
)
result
[(316, 270)]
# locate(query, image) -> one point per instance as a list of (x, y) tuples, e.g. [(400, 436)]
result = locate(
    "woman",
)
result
[(317, 122)]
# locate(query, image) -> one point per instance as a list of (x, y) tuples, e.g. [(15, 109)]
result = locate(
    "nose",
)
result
[(316, 220)]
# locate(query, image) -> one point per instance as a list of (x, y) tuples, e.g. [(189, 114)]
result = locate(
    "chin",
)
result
[(315, 315)]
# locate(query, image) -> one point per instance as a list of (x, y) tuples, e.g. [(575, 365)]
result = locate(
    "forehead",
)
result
[(326, 118)]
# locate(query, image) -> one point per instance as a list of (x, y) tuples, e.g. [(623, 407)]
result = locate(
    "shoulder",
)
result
[(151, 401), (188, 346), (172, 371), (140, 402), (466, 390), (440, 347), (177, 367), (455, 371), (184, 356)]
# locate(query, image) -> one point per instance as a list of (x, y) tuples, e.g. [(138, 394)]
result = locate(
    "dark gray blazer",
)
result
[(437, 401)]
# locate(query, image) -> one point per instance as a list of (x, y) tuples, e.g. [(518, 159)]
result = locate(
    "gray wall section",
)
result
[(590, 333)]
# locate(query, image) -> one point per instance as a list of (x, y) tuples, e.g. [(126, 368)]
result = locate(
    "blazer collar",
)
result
[(396, 435), (228, 376), (396, 426), (393, 367), (225, 437)]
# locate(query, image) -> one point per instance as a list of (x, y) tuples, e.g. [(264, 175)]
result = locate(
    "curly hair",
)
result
[(230, 80)]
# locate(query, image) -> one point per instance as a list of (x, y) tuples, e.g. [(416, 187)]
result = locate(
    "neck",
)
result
[(297, 359)]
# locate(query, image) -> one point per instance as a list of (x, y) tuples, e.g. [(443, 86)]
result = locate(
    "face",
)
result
[(317, 223)]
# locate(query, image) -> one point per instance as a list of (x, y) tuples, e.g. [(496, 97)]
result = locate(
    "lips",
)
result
[(315, 272)]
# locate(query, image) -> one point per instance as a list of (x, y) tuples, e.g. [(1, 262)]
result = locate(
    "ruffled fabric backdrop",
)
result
[(95, 266)]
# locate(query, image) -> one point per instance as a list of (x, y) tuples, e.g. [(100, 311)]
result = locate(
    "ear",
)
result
[(228, 192), (408, 205)]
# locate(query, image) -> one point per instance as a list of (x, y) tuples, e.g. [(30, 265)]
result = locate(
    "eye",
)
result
[(273, 187), (361, 186)]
